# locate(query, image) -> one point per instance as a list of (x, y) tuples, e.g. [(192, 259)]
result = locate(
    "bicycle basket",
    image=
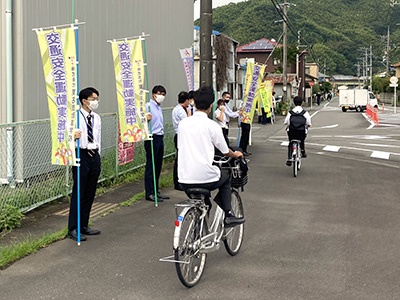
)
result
[(239, 177)]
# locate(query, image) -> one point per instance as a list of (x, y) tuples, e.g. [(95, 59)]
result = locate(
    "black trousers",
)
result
[(223, 197), (296, 135), (225, 132), (158, 146), (244, 139), (175, 173), (89, 174)]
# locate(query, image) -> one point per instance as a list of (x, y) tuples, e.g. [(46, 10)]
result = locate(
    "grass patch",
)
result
[(15, 251), (18, 250)]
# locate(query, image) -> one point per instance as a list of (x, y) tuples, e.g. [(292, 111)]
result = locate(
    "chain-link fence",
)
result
[(27, 177)]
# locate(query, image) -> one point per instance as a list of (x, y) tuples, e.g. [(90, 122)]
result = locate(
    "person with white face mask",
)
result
[(157, 128), (191, 107), (89, 137)]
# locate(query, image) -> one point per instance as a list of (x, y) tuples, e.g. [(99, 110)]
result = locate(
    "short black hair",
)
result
[(297, 100), (86, 93), (191, 94), (159, 88), (273, 93), (225, 93), (220, 101), (204, 97), (182, 97)]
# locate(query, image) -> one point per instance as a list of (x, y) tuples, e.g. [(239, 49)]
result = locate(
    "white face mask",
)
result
[(160, 99), (191, 103), (93, 105)]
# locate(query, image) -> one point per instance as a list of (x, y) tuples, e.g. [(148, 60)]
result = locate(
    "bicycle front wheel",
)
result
[(234, 235), (189, 261)]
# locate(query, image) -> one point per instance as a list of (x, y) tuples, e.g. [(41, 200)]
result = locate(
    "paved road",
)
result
[(331, 233)]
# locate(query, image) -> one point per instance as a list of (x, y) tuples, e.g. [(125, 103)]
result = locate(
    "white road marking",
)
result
[(285, 144), (324, 127), (331, 148), (380, 154), (377, 145)]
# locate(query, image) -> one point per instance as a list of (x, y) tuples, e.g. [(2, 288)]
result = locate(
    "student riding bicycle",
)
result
[(297, 122), (197, 137)]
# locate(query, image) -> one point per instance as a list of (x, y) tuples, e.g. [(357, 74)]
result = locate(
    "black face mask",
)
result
[(227, 101)]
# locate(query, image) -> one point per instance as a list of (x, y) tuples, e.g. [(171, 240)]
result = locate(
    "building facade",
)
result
[(104, 20)]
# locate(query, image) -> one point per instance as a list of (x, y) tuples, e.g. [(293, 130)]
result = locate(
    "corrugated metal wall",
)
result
[(2, 63), (169, 23)]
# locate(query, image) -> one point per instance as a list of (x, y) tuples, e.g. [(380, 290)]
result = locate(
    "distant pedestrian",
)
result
[(318, 98), (221, 118), (180, 112), (226, 96), (191, 107)]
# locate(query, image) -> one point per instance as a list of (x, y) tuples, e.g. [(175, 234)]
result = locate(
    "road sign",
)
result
[(394, 79), (393, 85)]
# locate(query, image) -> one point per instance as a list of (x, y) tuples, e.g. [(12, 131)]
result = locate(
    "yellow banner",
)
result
[(129, 76), (254, 74), (57, 48), (266, 96)]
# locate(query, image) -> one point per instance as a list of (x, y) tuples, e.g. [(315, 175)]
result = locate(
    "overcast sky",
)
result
[(215, 4)]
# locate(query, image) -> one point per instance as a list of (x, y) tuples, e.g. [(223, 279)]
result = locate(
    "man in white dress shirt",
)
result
[(197, 137), (89, 143), (179, 112)]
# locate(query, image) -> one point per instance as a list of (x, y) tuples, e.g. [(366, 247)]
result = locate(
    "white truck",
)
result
[(356, 99)]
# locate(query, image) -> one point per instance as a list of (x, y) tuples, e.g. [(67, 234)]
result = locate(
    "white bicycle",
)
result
[(196, 234)]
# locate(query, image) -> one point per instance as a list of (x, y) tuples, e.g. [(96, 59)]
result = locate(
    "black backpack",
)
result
[(297, 121)]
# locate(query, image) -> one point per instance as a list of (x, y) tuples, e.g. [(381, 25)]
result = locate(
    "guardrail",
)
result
[(372, 112)]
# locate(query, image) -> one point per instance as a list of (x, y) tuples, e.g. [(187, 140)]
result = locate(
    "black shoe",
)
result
[(288, 162), (231, 221), (90, 231), (162, 196), (73, 235), (245, 153), (178, 187), (303, 154), (152, 198)]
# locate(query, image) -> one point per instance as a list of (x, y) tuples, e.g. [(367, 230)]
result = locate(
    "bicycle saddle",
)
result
[(196, 193)]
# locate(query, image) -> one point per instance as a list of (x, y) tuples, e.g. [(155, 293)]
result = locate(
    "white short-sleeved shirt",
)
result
[(298, 109), (222, 123), (197, 137), (178, 114)]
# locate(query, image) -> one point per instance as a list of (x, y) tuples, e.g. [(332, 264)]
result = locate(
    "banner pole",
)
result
[(150, 129), (78, 159), (240, 118), (73, 11)]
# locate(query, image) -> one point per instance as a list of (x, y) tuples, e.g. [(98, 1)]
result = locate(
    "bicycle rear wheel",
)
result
[(190, 262), (233, 237), (295, 162)]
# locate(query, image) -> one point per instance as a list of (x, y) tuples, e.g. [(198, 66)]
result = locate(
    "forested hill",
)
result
[(337, 29)]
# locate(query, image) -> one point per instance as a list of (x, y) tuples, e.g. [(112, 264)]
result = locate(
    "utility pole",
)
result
[(358, 74), (285, 53), (387, 52), (206, 62), (370, 68)]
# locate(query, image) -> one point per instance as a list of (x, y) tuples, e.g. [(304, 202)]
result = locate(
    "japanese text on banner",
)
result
[(57, 48), (129, 75), (188, 65), (253, 77)]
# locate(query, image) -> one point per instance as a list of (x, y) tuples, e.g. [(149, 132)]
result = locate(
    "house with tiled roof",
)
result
[(397, 69), (260, 51)]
